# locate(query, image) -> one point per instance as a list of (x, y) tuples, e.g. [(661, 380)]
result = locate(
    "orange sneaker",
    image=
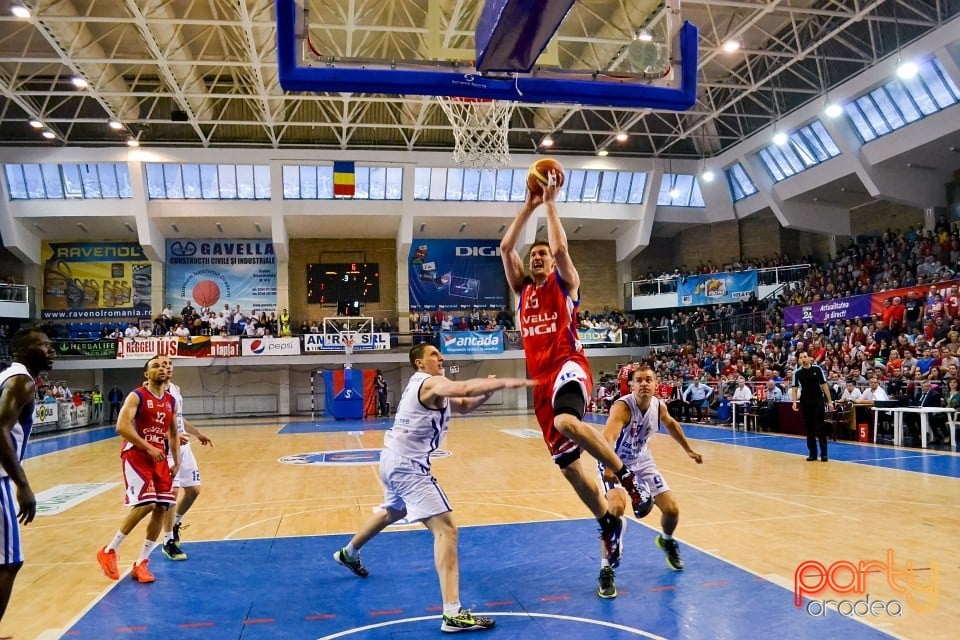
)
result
[(108, 562), (141, 572)]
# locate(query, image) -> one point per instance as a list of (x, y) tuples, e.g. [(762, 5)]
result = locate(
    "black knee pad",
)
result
[(569, 399)]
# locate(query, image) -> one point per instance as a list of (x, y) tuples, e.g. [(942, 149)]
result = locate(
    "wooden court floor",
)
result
[(754, 503)]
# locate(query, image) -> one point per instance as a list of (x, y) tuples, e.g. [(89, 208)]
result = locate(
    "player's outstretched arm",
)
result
[(557, 237), (467, 395), (512, 264)]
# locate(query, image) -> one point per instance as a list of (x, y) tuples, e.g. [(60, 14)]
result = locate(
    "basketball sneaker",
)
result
[(141, 572), (173, 551), (607, 587), (611, 541), (639, 494), (466, 621), (672, 549), (108, 562), (353, 563)]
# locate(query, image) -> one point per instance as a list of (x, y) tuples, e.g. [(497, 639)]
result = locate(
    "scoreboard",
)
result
[(334, 282)]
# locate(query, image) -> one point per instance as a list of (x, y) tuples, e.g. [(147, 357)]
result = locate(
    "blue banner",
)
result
[(469, 342), (212, 273), (457, 274), (716, 288)]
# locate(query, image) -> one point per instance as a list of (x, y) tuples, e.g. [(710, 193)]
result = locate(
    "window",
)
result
[(174, 181), (900, 102), (805, 148), (72, 181), (741, 186), (679, 190), (315, 182), (510, 185)]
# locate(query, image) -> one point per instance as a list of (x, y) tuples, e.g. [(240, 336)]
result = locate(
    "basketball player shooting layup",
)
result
[(548, 299)]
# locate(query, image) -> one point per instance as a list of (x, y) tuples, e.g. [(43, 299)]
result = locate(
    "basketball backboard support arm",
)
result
[(521, 88)]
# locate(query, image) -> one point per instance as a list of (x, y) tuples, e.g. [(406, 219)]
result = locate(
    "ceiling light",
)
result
[(133, 142), (540, 229), (707, 175), (79, 82), (219, 227), (83, 227), (614, 230), (731, 45), (907, 70), (674, 193), (779, 138), (175, 228), (38, 227), (546, 142), (116, 125), (256, 225), (36, 124), (129, 227), (577, 230), (622, 136), (644, 36), (502, 227), (602, 153), (833, 110), (463, 226), (20, 11), (423, 225), (49, 135)]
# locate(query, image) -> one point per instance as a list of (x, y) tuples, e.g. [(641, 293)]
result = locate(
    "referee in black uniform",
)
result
[(811, 383)]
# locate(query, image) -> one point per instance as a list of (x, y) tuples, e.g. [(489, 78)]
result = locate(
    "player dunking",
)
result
[(147, 421), (548, 299)]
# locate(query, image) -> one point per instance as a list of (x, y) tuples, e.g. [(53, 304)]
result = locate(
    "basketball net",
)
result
[(480, 130)]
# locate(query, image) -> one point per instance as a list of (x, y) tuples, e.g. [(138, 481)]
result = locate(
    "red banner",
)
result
[(922, 291)]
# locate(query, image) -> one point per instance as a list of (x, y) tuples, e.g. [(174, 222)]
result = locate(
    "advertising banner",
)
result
[(146, 348), (457, 274), (828, 310), (716, 288), (106, 348), (212, 273), (95, 281), (468, 342), (600, 336), (364, 342), (45, 414), (224, 347), (270, 346)]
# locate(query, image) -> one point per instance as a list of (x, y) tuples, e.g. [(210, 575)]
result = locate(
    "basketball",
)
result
[(540, 170), (206, 293)]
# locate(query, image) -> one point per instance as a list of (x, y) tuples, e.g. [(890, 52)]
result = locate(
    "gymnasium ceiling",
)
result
[(202, 73)]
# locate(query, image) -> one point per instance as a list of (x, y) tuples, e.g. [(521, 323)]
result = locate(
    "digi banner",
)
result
[(333, 342), (94, 281), (828, 310), (861, 306), (716, 288), (106, 348), (469, 342), (212, 273), (457, 274), (600, 336)]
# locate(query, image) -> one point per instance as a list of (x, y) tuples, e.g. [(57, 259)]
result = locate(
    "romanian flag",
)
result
[(344, 180)]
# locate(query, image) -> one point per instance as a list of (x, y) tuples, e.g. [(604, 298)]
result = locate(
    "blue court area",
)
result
[(536, 580)]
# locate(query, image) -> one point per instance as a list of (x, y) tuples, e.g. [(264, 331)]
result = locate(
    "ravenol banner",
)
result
[(95, 281), (212, 273), (468, 342), (457, 274), (716, 288)]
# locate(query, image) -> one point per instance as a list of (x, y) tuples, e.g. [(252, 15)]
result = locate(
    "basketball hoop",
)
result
[(480, 130)]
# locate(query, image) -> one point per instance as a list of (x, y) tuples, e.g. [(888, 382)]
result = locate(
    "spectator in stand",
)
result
[(132, 331)]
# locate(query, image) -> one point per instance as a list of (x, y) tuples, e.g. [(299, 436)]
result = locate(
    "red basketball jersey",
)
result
[(153, 417), (546, 319)]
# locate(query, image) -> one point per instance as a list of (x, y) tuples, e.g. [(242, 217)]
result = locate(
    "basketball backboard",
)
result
[(643, 56)]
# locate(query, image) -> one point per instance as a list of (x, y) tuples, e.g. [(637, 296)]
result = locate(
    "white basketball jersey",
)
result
[(21, 428), (174, 390), (631, 444), (417, 430)]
